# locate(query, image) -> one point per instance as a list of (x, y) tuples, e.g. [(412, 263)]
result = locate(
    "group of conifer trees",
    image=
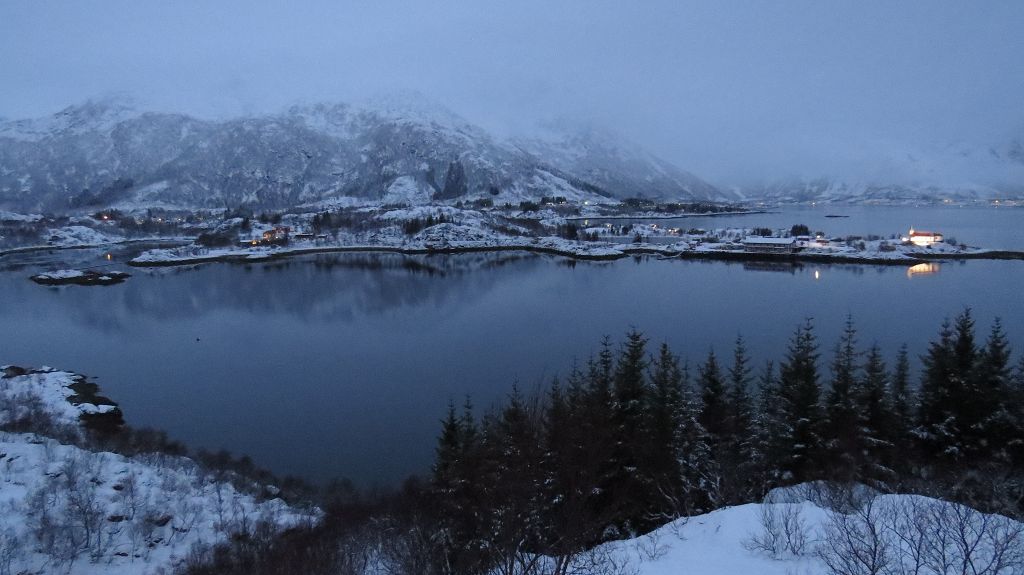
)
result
[(634, 439)]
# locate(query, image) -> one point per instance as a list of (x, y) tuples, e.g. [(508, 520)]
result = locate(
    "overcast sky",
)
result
[(729, 90)]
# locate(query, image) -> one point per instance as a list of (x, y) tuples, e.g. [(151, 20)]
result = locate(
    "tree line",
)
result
[(633, 439)]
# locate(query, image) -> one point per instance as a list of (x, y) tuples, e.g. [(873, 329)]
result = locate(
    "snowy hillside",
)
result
[(71, 510), (616, 165), (955, 172), (886, 534), (401, 148)]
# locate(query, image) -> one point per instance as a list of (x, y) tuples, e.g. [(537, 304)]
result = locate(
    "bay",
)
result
[(342, 365)]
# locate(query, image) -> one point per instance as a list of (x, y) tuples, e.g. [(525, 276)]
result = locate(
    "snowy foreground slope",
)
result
[(884, 534), (64, 509)]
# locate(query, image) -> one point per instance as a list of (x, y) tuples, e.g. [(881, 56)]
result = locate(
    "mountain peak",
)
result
[(95, 114), (413, 106)]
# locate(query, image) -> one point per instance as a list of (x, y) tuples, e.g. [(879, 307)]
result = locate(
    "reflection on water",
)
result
[(923, 269), (769, 266), (341, 365)]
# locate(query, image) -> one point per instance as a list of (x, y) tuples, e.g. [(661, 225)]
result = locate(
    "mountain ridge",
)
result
[(108, 153)]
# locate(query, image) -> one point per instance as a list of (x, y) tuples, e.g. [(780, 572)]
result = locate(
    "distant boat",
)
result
[(836, 216)]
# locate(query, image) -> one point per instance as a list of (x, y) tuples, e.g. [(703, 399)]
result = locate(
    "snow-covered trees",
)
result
[(626, 444)]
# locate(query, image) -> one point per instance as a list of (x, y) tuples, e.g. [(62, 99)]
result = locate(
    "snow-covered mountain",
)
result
[(957, 172), (615, 164), (400, 148)]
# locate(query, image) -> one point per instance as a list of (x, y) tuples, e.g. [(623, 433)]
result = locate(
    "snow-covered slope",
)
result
[(958, 172), (892, 534), (108, 153), (612, 163), (66, 509)]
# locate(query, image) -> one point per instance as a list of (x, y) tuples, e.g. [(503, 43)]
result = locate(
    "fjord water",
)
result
[(343, 365)]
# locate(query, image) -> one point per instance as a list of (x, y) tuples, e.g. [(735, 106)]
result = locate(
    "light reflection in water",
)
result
[(922, 269)]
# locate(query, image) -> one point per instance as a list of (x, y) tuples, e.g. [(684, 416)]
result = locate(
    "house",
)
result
[(278, 234), (757, 244), (922, 238)]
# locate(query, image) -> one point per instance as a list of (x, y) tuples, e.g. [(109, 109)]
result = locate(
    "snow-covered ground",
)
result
[(467, 230), (884, 534), (76, 236), (51, 387), (64, 509)]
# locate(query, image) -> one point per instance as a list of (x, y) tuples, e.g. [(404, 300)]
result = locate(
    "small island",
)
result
[(80, 277)]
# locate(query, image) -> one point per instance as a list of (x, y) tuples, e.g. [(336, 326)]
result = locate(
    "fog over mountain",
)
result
[(785, 98), (402, 148)]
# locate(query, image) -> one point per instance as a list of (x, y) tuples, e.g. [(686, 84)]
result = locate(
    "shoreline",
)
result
[(580, 252), (174, 242), (598, 254), (668, 217)]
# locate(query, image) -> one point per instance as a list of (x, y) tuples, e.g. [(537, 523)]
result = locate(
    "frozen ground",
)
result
[(64, 509)]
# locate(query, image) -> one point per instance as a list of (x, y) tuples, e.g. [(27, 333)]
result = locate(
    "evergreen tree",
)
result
[(631, 482), (598, 432), (842, 430), (901, 399), (667, 414), (771, 443), (936, 429), (1015, 447), (991, 425), (696, 460), (714, 421), (516, 496), (950, 408), (456, 489), (800, 393), (574, 459), (738, 467), (877, 423), (714, 412)]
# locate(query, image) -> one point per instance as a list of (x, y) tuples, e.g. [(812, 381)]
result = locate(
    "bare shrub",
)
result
[(11, 550), (855, 543), (783, 531), (912, 535)]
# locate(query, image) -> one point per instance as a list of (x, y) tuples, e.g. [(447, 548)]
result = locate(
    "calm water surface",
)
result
[(343, 365)]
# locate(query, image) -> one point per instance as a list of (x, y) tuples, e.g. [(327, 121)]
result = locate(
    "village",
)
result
[(546, 229), (552, 226)]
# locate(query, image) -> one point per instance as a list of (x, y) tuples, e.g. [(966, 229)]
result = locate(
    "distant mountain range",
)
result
[(398, 149), (954, 172)]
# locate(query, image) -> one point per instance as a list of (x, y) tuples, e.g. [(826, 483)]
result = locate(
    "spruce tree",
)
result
[(666, 420), (458, 493), (631, 482), (951, 408), (516, 497), (800, 393), (714, 421), (598, 433), (739, 466), (902, 401), (936, 429), (696, 459), (842, 431), (771, 435), (991, 427), (877, 423)]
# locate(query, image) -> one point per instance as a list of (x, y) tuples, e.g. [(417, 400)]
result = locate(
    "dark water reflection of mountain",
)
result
[(342, 364)]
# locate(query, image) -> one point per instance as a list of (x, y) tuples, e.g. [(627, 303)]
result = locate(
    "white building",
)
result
[(769, 245), (921, 238)]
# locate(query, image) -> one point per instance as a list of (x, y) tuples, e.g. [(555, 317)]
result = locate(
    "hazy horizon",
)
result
[(732, 92)]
